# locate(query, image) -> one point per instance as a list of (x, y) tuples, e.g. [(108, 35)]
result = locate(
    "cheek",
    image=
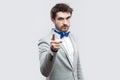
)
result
[(59, 24)]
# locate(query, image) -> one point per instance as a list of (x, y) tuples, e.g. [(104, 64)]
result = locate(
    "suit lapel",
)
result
[(66, 53), (74, 47)]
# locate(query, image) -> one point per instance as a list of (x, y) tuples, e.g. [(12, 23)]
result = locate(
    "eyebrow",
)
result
[(64, 18), (68, 17)]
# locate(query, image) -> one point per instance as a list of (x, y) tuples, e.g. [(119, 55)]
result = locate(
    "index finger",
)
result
[(53, 37)]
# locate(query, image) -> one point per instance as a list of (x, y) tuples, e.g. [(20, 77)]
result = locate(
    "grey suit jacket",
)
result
[(57, 65)]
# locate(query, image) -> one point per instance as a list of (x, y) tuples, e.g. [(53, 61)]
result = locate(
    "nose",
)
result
[(65, 22)]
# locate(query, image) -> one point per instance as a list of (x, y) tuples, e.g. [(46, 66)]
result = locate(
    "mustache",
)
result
[(65, 25)]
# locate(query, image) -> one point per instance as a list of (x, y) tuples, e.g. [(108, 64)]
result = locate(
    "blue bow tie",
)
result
[(62, 34)]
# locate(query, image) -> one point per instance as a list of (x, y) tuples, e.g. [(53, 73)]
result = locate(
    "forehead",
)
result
[(63, 14)]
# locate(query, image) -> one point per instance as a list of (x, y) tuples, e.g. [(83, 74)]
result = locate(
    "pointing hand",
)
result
[(55, 44)]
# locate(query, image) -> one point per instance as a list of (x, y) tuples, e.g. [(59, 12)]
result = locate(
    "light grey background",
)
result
[(95, 23)]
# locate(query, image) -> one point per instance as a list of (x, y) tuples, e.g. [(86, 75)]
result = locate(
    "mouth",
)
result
[(65, 26)]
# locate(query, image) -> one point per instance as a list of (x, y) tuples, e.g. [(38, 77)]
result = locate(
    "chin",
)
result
[(65, 30)]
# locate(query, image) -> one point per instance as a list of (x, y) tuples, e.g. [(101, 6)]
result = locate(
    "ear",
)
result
[(53, 20)]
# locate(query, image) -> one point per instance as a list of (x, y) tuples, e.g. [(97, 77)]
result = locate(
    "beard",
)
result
[(63, 28)]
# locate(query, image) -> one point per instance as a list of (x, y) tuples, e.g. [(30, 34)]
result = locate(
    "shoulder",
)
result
[(45, 40), (72, 36)]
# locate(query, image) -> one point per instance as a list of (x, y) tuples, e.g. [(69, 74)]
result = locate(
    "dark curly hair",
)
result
[(60, 7)]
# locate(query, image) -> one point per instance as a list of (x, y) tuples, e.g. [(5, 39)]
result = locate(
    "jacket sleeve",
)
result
[(79, 71), (46, 57)]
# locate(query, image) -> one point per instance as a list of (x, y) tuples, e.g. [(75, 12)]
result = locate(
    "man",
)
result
[(59, 57)]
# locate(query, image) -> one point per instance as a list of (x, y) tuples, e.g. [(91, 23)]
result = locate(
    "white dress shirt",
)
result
[(69, 47)]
